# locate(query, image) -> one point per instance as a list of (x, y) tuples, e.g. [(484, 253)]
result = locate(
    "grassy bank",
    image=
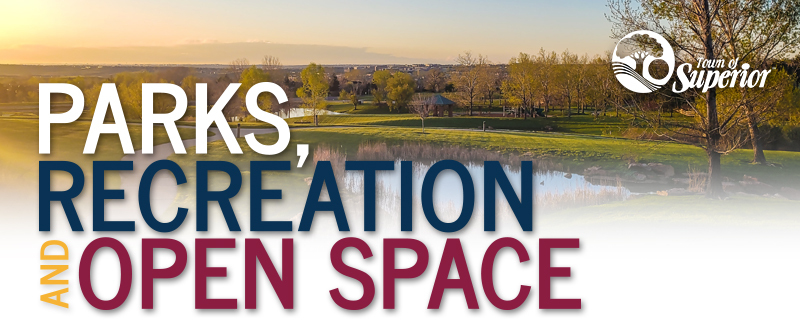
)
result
[(19, 153), (609, 126), (364, 108), (574, 152)]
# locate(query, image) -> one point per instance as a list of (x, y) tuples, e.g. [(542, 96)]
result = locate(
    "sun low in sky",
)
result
[(298, 32)]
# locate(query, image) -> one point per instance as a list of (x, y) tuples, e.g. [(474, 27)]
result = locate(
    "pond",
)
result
[(302, 112), (552, 189)]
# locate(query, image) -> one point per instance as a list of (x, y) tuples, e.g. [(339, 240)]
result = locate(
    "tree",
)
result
[(270, 64), (518, 87), (546, 76), (468, 77), (567, 80), (129, 87), (91, 95), (582, 81), (217, 86), (236, 68), (764, 106), (435, 80), (490, 82), (422, 107), (189, 85), (786, 113), (399, 90), (349, 95), (613, 94), (314, 90), (606, 90), (238, 65), (760, 32), (689, 26), (273, 68), (357, 78), (334, 83), (380, 79), (354, 88), (711, 29), (252, 76)]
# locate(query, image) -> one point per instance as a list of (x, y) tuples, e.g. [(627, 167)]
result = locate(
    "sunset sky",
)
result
[(325, 31)]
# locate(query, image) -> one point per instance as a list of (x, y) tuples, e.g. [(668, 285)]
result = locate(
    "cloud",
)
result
[(211, 52)]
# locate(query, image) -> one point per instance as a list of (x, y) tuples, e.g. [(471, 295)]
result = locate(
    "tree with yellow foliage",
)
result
[(314, 90)]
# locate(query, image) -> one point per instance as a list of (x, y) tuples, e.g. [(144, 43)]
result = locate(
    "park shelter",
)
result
[(442, 104)]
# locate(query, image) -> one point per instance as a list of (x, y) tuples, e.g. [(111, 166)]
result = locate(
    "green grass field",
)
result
[(19, 153), (580, 124), (364, 108), (30, 110)]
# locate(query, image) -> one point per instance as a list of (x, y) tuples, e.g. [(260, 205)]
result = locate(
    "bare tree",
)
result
[(435, 80), (710, 29), (599, 91), (271, 63), (238, 65), (215, 90), (582, 82), (422, 106), (546, 76), (568, 79), (468, 79), (490, 82), (272, 66)]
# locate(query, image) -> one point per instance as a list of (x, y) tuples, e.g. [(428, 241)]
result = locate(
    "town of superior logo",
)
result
[(625, 68)]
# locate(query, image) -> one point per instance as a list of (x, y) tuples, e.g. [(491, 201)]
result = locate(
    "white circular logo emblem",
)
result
[(625, 68)]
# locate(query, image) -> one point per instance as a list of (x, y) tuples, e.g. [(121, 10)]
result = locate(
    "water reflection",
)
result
[(552, 189), (448, 182), (302, 112)]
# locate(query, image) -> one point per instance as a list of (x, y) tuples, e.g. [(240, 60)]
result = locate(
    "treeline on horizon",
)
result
[(529, 85)]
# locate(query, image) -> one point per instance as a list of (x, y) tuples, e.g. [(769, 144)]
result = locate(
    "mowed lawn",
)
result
[(580, 124), (364, 108), (577, 124)]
